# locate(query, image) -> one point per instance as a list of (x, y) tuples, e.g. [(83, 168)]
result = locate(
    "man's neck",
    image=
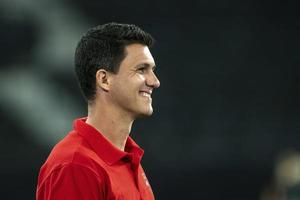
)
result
[(111, 124)]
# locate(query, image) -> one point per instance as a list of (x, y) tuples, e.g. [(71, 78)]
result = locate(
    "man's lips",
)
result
[(146, 93)]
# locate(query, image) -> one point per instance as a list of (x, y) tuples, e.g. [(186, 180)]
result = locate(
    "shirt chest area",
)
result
[(128, 182)]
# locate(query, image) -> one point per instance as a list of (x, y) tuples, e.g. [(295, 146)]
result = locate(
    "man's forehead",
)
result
[(139, 53)]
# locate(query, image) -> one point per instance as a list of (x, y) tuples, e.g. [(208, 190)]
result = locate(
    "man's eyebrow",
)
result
[(146, 65)]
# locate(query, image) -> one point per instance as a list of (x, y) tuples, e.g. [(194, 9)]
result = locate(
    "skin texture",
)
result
[(121, 98)]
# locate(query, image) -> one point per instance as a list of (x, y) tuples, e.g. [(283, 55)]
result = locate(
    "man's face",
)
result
[(131, 87)]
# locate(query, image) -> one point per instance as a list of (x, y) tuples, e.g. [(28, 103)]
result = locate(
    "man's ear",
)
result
[(103, 79)]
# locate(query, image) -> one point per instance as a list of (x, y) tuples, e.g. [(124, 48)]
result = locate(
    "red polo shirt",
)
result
[(86, 166)]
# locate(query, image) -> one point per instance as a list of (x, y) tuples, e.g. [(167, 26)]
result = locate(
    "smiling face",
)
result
[(131, 88)]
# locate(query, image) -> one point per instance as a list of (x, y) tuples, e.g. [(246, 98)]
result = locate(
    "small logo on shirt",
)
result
[(145, 179)]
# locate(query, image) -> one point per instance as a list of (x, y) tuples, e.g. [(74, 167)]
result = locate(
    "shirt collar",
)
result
[(104, 148)]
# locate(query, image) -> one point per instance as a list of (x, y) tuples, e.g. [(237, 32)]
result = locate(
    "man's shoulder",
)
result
[(72, 150)]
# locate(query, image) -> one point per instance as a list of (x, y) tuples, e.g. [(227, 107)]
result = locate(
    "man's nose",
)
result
[(153, 81)]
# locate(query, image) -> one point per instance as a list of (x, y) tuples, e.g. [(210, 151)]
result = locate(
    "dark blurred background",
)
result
[(227, 107)]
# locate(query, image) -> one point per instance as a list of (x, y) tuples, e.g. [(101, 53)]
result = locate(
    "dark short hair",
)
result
[(103, 47)]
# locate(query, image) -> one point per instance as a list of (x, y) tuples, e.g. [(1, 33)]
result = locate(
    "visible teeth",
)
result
[(145, 94)]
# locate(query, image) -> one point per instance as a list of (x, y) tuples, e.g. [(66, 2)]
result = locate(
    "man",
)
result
[(98, 159)]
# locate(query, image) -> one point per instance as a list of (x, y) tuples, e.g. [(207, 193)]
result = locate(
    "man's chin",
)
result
[(145, 113)]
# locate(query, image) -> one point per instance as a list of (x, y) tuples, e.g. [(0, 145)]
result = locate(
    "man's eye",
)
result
[(141, 70)]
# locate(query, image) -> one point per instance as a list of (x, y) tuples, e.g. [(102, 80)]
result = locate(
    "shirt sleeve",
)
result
[(72, 182)]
